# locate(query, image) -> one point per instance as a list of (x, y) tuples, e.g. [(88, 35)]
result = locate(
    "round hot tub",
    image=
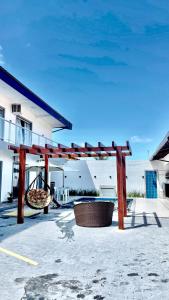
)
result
[(94, 214)]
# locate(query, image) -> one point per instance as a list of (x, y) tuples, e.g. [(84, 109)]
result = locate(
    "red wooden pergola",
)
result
[(75, 152)]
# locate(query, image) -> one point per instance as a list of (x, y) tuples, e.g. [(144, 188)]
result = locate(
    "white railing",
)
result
[(17, 135)]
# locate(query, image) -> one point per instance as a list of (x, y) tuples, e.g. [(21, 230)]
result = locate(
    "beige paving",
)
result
[(84, 263)]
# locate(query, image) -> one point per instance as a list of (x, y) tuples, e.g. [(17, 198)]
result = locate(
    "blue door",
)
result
[(151, 184)]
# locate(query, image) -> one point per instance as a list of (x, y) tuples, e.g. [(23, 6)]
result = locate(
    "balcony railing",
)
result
[(18, 135)]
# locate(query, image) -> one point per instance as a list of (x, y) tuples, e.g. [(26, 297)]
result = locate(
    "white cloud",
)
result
[(137, 139), (2, 61)]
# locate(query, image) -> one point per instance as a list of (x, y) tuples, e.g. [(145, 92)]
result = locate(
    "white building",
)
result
[(24, 119), (27, 119)]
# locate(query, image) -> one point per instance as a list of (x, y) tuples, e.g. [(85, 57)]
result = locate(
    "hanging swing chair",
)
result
[(38, 198)]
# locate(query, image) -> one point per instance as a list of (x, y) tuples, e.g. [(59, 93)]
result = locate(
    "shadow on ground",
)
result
[(9, 226), (144, 220)]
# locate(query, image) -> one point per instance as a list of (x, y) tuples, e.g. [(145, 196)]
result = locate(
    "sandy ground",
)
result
[(85, 263)]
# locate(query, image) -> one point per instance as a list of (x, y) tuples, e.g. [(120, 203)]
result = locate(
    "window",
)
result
[(23, 132), (2, 114)]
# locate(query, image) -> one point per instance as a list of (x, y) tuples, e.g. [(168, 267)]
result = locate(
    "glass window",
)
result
[(2, 114), (23, 132)]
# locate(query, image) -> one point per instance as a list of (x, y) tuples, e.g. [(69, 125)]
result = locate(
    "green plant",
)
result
[(81, 192), (102, 158), (135, 194)]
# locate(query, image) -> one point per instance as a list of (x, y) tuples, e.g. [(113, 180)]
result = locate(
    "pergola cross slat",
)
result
[(75, 152)]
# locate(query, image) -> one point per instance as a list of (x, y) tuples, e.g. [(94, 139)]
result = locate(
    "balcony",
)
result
[(18, 135)]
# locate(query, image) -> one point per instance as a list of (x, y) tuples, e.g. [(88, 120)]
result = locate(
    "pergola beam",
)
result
[(39, 149), (61, 146), (83, 155), (114, 144), (84, 149), (13, 148), (88, 146), (100, 145), (48, 149), (129, 147), (75, 146)]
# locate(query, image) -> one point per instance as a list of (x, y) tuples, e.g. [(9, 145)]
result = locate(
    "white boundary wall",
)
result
[(91, 174)]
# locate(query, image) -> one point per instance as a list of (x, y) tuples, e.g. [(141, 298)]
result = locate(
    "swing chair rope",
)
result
[(38, 198)]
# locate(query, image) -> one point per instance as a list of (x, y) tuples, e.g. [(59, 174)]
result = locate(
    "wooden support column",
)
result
[(120, 189), (21, 191), (124, 185), (46, 209)]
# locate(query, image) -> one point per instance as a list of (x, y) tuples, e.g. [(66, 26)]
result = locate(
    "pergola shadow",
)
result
[(9, 227), (145, 222)]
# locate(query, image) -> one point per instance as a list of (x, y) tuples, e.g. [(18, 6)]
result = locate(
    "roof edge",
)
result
[(22, 89), (161, 145)]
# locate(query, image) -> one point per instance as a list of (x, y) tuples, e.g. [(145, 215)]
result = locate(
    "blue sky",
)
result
[(103, 64)]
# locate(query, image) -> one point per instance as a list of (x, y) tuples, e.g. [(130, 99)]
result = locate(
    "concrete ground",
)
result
[(85, 263)]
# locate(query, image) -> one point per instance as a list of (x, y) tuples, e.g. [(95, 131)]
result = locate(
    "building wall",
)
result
[(92, 174), (39, 125), (7, 168), (162, 168)]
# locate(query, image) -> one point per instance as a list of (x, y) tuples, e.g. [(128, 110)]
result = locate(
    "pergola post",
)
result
[(124, 185), (46, 209), (21, 191), (120, 189)]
